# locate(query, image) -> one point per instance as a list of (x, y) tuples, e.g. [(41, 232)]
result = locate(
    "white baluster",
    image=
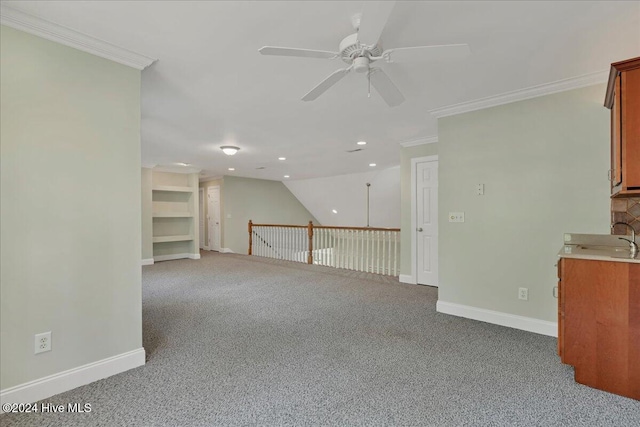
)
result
[(359, 253), (395, 253), (366, 251)]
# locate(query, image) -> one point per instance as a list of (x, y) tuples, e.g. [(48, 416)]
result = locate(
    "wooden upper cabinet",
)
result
[(623, 98), (615, 173)]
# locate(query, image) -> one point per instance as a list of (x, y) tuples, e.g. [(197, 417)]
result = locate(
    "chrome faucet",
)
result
[(633, 246)]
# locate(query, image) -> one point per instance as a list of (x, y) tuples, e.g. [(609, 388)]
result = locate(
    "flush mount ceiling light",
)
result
[(229, 150), (286, 176), (282, 158), (334, 211), (232, 169), (372, 164), (184, 164), (361, 143)]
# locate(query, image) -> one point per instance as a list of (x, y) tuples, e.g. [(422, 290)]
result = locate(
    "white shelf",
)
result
[(173, 188), (163, 239), (172, 215)]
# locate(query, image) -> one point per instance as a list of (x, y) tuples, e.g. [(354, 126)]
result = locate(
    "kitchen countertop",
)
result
[(598, 247)]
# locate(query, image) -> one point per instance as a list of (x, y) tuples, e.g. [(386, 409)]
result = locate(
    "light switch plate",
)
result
[(456, 216)]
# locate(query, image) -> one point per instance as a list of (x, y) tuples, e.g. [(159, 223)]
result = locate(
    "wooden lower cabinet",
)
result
[(599, 323)]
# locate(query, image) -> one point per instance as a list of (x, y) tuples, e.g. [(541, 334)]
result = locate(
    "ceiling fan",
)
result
[(364, 47)]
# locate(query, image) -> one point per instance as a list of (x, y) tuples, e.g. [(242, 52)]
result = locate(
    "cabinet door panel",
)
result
[(616, 136), (631, 129)]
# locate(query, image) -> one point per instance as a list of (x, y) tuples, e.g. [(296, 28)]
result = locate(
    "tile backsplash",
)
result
[(625, 210)]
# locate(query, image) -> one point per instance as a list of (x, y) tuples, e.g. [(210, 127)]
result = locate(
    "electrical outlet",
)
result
[(523, 293), (43, 342), (456, 216)]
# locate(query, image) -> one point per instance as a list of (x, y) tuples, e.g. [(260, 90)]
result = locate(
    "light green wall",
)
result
[(147, 211), (261, 201), (406, 154), (205, 185), (544, 164), (70, 207)]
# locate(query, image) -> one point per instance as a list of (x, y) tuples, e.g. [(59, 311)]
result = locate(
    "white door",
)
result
[(427, 222), (202, 224), (213, 217)]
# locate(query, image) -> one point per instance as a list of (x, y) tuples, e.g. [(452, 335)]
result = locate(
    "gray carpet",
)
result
[(233, 340)]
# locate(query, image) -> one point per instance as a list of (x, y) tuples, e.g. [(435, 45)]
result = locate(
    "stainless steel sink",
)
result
[(603, 248)]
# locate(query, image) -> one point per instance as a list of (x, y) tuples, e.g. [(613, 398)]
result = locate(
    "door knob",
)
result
[(419, 229)]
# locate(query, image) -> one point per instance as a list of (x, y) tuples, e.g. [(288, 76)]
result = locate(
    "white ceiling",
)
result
[(211, 87)]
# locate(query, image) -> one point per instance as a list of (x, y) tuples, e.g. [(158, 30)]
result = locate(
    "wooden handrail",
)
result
[(282, 225), (357, 228), (327, 226)]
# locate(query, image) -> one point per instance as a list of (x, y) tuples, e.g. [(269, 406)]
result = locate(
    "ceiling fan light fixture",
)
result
[(361, 64), (229, 150)]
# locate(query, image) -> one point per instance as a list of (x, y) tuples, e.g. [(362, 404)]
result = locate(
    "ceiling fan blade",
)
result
[(427, 53), (385, 87), (374, 17), (324, 85), (292, 51)]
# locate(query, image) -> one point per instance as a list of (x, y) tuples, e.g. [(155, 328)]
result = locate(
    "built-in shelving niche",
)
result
[(174, 204)]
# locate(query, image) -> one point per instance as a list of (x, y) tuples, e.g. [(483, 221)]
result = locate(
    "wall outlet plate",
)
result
[(456, 216), (480, 189), (42, 342), (523, 294)]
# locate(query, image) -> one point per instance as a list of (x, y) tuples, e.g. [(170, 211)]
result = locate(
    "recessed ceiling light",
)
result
[(286, 176), (229, 150), (361, 142), (232, 169), (282, 158), (372, 164), (334, 211)]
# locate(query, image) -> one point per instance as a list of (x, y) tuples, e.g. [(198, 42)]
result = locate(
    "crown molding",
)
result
[(211, 178), (522, 94), (176, 169), (422, 141), (22, 21)]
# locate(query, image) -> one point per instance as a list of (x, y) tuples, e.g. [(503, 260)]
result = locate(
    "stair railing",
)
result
[(368, 249)]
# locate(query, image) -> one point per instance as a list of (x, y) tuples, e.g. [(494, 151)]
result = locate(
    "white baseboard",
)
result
[(499, 318), (226, 251), (175, 256), (206, 248), (407, 278), (67, 380), (148, 261)]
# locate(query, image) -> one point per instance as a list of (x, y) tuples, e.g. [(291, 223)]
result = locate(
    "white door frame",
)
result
[(414, 207), (209, 215), (203, 219)]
